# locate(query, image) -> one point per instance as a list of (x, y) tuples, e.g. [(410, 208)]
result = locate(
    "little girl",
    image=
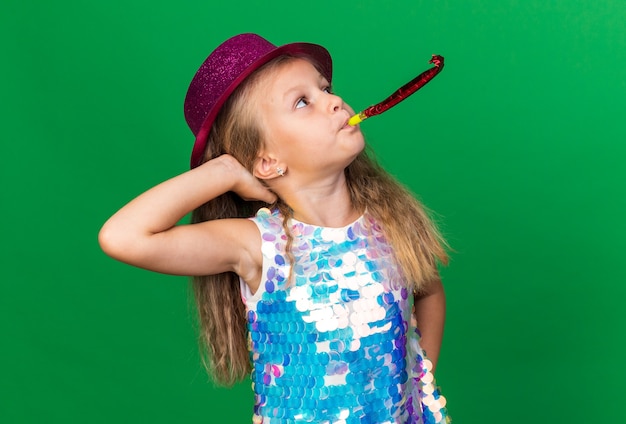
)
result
[(311, 264)]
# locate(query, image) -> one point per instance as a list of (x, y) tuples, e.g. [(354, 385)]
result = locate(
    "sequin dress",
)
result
[(337, 344)]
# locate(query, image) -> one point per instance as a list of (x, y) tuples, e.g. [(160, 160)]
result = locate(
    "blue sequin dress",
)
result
[(337, 344)]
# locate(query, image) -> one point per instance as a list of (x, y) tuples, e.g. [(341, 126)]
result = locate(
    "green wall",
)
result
[(518, 146)]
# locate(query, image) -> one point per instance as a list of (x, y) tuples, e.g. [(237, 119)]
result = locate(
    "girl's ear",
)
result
[(265, 167)]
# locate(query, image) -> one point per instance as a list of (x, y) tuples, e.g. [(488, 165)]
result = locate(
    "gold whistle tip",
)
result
[(355, 120)]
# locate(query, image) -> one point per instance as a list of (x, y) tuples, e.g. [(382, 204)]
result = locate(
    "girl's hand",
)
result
[(246, 185)]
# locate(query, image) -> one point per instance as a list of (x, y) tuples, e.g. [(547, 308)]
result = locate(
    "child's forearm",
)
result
[(160, 208), (430, 312)]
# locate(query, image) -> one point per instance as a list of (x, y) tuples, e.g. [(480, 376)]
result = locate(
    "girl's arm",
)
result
[(430, 312), (144, 232)]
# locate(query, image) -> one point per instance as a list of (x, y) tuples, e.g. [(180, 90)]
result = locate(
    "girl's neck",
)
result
[(326, 205), (332, 216)]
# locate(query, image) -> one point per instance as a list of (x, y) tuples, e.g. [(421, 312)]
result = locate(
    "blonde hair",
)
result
[(221, 313)]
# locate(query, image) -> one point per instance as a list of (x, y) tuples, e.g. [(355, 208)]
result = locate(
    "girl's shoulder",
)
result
[(268, 220), (267, 214)]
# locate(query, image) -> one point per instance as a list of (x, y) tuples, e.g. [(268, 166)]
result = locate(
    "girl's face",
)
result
[(304, 124)]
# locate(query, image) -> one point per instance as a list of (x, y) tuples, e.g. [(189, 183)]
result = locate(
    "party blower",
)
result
[(401, 93)]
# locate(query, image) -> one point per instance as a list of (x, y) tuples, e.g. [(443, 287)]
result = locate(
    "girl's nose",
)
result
[(335, 102)]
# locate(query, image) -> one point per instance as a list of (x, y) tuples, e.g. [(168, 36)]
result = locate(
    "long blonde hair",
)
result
[(221, 312)]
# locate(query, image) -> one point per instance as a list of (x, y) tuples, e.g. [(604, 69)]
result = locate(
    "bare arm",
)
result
[(430, 312), (144, 232)]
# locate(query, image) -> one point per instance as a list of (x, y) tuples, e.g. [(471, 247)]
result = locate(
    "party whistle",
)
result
[(401, 93)]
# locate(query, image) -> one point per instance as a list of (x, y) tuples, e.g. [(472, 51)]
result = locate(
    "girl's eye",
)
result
[(302, 101)]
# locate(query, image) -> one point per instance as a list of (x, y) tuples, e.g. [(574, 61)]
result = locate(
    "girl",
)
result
[(312, 296)]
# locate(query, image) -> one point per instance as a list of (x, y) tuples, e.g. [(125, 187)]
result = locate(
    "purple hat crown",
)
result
[(225, 69)]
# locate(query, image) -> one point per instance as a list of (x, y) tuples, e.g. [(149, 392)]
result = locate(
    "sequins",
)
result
[(336, 343)]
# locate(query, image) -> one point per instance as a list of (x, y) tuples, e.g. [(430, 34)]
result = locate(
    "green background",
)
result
[(518, 146)]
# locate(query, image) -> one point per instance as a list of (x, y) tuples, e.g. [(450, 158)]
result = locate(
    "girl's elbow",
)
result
[(113, 241)]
